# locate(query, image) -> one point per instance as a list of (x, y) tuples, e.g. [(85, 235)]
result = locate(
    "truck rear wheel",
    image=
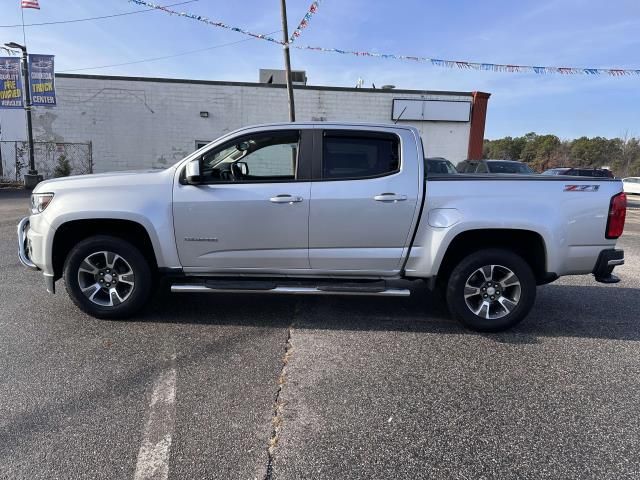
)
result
[(107, 277), (491, 290)]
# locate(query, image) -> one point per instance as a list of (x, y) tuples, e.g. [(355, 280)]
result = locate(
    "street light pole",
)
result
[(27, 93), (31, 178), (287, 60)]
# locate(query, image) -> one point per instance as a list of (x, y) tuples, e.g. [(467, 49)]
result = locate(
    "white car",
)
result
[(631, 185)]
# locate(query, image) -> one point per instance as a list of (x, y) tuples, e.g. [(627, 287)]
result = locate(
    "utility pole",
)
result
[(32, 178), (287, 60)]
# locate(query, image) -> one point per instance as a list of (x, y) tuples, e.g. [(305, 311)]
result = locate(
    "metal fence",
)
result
[(51, 159)]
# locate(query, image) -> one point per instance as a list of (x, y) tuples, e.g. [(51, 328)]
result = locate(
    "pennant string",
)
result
[(304, 23), (436, 62), (208, 21)]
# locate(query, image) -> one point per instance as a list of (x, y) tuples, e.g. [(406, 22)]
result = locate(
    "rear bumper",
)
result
[(607, 261)]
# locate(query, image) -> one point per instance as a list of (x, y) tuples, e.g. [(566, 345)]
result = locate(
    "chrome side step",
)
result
[(292, 290)]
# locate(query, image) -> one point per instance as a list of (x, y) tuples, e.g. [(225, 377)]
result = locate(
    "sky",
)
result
[(581, 33)]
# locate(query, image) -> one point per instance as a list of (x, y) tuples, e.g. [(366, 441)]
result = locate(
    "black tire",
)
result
[(136, 295), (504, 259)]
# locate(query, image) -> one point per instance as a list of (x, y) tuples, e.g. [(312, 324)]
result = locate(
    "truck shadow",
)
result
[(560, 310)]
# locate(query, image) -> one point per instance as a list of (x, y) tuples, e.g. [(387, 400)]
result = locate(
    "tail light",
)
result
[(617, 214)]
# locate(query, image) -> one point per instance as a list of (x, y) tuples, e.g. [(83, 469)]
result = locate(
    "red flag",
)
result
[(29, 4)]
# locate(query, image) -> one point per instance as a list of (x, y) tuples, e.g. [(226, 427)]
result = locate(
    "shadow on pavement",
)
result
[(14, 193), (560, 311)]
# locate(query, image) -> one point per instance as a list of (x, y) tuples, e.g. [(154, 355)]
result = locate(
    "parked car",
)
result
[(494, 166), (580, 172), (631, 185), (320, 209), (439, 166)]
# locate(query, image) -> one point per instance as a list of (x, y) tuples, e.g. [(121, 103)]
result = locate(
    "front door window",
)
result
[(271, 157)]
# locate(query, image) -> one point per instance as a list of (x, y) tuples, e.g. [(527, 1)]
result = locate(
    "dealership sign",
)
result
[(10, 83), (42, 80)]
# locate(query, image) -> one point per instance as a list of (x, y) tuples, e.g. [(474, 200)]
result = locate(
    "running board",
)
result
[(293, 290)]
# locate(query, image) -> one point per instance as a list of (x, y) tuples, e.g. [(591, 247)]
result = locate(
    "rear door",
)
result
[(364, 200)]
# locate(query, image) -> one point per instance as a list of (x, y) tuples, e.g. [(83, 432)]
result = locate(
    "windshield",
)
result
[(508, 167)]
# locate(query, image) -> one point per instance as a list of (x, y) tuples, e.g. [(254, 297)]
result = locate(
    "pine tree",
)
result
[(63, 168)]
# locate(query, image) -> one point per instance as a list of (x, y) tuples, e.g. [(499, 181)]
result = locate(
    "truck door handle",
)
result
[(389, 197), (285, 199)]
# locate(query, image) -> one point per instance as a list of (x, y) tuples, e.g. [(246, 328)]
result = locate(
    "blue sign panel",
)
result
[(42, 80), (10, 83)]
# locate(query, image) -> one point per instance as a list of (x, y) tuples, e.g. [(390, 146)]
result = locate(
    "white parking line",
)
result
[(153, 457)]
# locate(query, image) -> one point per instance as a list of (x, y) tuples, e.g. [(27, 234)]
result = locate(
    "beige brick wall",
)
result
[(143, 124)]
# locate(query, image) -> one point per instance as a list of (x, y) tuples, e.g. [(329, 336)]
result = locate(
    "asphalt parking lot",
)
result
[(371, 387)]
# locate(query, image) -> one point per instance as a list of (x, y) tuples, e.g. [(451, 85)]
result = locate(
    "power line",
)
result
[(189, 52), (92, 18)]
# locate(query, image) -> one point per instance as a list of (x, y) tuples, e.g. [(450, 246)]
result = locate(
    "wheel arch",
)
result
[(528, 244), (70, 233)]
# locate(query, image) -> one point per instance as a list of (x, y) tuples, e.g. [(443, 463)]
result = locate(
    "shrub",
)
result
[(63, 167)]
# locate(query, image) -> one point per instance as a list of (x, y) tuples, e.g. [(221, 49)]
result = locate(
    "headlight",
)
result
[(40, 201)]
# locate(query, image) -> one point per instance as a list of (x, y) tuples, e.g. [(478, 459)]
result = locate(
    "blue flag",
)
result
[(42, 80), (10, 83)]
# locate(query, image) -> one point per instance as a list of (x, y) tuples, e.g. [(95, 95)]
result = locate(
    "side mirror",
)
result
[(244, 168), (192, 172)]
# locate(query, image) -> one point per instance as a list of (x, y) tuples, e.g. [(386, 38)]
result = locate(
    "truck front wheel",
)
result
[(107, 277), (491, 290)]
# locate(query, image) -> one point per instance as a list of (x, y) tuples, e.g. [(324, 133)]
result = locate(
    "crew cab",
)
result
[(321, 209)]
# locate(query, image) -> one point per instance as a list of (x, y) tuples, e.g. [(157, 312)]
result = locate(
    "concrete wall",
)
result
[(141, 124)]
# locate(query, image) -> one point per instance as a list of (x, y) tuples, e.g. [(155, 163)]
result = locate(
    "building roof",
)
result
[(394, 91)]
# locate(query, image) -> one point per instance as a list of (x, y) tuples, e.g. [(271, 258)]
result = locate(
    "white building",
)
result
[(135, 122)]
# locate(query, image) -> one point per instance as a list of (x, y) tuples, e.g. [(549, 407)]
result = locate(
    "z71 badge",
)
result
[(581, 188)]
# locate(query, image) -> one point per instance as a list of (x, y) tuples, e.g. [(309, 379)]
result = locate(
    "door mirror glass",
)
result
[(192, 172), (243, 168)]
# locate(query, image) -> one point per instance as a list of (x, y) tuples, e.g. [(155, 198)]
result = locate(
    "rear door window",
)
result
[(355, 156)]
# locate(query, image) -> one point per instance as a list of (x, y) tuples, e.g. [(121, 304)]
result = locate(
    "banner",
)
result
[(10, 83), (42, 80)]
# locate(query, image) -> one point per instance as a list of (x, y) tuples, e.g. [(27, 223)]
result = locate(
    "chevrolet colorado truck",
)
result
[(321, 209)]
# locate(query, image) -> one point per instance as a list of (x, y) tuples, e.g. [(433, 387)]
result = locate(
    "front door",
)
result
[(364, 204), (250, 214)]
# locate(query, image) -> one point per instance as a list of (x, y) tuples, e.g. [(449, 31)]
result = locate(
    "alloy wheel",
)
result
[(492, 291), (106, 278)]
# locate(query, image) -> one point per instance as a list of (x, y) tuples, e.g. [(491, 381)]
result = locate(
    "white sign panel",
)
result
[(407, 109), (431, 110)]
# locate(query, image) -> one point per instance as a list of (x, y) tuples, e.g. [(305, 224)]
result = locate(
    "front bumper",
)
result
[(607, 261), (24, 254), (23, 247)]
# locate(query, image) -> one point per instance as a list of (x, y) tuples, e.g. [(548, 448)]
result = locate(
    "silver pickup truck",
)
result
[(321, 209)]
